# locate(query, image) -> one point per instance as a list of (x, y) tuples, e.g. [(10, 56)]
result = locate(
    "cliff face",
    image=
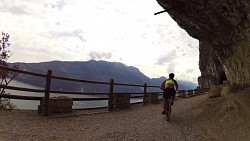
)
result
[(223, 29), (212, 72)]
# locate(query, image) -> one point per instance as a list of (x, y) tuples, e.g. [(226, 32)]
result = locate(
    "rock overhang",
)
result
[(222, 25)]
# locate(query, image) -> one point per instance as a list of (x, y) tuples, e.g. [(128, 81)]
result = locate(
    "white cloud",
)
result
[(190, 71), (167, 57), (99, 55), (79, 30), (171, 67)]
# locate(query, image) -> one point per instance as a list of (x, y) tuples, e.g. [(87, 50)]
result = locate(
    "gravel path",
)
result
[(137, 123)]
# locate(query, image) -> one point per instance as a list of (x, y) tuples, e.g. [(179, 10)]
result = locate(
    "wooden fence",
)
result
[(47, 90)]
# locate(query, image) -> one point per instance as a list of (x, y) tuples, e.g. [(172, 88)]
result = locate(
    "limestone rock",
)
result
[(212, 72), (214, 91), (224, 27)]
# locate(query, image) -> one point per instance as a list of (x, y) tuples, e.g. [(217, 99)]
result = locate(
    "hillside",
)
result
[(91, 70)]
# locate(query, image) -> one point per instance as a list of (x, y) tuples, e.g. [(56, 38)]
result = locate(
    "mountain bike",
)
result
[(168, 107)]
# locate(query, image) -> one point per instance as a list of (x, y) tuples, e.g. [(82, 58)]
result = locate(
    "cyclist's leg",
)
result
[(163, 106), (167, 104), (164, 99), (168, 108), (173, 92), (172, 100)]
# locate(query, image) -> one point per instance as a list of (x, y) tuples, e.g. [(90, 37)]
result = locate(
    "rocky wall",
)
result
[(225, 26), (210, 66)]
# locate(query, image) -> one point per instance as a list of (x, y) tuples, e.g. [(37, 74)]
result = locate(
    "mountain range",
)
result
[(101, 71)]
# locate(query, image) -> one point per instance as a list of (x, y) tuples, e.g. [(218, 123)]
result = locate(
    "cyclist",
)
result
[(169, 87)]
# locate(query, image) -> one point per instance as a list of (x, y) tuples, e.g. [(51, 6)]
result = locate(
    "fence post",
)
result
[(110, 96), (47, 93), (183, 93), (145, 94), (190, 93)]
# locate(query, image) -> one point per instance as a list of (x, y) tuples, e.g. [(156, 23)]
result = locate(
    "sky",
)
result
[(125, 31)]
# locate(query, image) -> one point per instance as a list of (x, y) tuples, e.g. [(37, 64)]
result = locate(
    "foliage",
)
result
[(5, 76)]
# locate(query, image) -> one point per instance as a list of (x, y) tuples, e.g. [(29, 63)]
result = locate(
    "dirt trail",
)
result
[(137, 123)]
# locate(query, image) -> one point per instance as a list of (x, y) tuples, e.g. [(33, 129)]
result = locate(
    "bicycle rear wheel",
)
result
[(168, 110)]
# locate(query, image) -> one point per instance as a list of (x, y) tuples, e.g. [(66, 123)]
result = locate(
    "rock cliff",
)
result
[(223, 30), (211, 69)]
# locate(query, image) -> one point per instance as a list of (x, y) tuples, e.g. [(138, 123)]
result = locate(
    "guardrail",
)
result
[(47, 90), (48, 77)]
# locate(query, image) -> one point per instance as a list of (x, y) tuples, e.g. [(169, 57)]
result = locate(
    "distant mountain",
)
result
[(101, 71)]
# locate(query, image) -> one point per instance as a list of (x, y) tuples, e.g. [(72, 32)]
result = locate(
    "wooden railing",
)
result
[(48, 77), (47, 90)]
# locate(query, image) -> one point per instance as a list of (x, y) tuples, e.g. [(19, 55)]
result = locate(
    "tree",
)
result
[(5, 76)]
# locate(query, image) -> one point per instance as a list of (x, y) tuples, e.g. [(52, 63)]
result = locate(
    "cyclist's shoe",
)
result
[(163, 112)]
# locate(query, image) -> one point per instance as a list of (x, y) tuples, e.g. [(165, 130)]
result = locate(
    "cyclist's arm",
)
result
[(162, 85), (176, 86)]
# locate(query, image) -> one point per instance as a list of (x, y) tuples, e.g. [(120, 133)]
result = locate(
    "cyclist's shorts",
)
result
[(168, 92)]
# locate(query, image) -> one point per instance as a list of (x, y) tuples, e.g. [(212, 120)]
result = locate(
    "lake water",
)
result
[(33, 105)]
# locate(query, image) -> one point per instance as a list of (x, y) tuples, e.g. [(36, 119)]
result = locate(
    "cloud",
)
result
[(58, 4), (166, 58), (76, 33), (99, 55), (190, 71), (20, 9), (171, 67), (163, 60)]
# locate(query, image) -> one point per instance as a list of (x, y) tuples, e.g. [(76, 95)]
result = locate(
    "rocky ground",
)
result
[(196, 118)]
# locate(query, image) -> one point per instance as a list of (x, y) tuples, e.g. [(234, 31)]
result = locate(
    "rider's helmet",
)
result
[(171, 75)]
